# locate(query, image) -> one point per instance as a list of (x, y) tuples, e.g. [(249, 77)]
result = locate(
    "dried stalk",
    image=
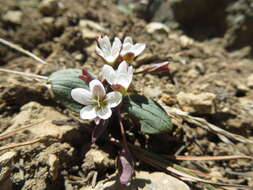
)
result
[(15, 145), (163, 164), (179, 115), (24, 74), (9, 134), (20, 49), (208, 158), (182, 174)]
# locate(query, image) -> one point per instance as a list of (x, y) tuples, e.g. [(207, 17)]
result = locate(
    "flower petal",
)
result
[(88, 112), (128, 39), (100, 52), (108, 73), (138, 48), (114, 99), (124, 80), (82, 96), (130, 72), (126, 48), (123, 66), (104, 43), (105, 112), (97, 89), (116, 47), (111, 58)]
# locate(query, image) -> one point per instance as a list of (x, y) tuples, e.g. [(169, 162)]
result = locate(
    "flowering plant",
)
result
[(100, 99)]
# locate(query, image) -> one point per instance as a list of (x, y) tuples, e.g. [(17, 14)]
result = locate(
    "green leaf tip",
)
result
[(62, 82), (153, 119)]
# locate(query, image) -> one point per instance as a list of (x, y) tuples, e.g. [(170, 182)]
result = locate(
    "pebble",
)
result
[(152, 92), (7, 157), (54, 164), (158, 27), (167, 99), (5, 171), (14, 17), (185, 41), (202, 103), (98, 159), (250, 81), (49, 7), (90, 29)]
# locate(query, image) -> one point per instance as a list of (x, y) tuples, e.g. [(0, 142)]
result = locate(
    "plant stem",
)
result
[(123, 133)]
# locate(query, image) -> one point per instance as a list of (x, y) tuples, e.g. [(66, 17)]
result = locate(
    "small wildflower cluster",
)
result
[(109, 95), (98, 103), (105, 93), (117, 51)]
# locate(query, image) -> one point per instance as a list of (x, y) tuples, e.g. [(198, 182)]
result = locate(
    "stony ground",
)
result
[(209, 82)]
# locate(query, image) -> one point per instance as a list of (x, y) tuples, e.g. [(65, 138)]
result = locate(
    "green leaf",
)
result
[(63, 82), (152, 117)]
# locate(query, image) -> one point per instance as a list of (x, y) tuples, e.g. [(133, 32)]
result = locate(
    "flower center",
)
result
[(101, 102)]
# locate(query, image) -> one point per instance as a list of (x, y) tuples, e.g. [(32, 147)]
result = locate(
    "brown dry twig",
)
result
[(15, 145)]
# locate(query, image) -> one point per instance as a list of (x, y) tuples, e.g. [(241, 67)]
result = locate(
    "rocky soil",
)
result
[(210, 61)]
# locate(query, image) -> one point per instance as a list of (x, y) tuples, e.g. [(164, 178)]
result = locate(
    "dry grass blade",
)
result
[(20, 49), (24, 74), (9, 134), (208, 158), (185, 176), (161, 163), (200, 122), (15, 145), (201, 174)]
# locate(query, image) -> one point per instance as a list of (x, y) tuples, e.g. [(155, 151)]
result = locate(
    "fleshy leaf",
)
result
[(153, 119), (62, 82)]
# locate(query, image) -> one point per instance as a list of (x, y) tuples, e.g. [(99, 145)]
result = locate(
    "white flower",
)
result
[(106, 51), (130, 50), (97, 103), (121, 78)]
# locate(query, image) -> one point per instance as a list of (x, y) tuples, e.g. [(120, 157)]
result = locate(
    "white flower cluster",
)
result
[(111, 53), (98, 103)]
